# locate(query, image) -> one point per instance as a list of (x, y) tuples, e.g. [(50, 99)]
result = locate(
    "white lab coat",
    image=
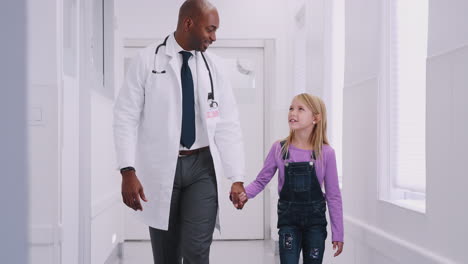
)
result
[(147, 127)]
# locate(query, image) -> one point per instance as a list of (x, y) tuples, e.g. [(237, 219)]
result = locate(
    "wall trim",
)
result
[(269, 65), (104, 204), (448, 52), (361, 82), (386, 243), (225, 43)]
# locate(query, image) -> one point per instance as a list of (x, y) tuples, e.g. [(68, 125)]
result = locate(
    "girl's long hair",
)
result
[(318, 137)]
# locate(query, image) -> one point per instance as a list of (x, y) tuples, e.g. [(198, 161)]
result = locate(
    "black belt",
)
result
[(192, 151)]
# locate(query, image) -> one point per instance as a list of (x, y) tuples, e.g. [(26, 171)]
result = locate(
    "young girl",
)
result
[(305, 162)]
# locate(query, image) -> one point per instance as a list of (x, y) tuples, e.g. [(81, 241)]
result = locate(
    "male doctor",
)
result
[(176, 135)]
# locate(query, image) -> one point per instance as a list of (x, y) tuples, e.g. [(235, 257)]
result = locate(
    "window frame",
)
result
[(388, 192)]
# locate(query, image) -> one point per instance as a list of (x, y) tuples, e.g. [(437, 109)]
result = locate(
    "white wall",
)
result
[(102, 179), (106, 211), (13, 135), (447, 26), (43, 95), (378, 232), (79, 160)]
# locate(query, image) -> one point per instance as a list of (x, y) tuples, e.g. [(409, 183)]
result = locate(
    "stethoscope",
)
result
[(211, 100)]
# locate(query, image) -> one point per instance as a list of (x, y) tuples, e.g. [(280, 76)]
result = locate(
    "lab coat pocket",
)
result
[(212, 118), (155, 83)]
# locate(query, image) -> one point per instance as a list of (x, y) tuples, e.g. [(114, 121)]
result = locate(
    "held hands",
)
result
[(237, 195), (132, 190), (243, 197), (338, 246)]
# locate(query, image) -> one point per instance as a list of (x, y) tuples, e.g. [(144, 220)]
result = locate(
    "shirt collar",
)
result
[(176, 47)]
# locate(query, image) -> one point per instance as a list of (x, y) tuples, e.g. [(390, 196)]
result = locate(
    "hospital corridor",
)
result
[(92, 130)]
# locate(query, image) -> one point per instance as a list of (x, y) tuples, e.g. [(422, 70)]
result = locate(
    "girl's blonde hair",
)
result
[(318, 137)]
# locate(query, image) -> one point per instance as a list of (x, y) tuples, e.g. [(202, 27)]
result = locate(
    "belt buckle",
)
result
[(184, 155), (191, 152)]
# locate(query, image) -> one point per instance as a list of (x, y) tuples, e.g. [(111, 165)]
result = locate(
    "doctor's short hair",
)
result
[(193, 9)]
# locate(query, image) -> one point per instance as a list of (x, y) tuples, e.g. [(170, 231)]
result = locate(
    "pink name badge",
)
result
[(212, 114)]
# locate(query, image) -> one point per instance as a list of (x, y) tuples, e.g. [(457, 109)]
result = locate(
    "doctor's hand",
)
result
[(236, 189), (132, 190)]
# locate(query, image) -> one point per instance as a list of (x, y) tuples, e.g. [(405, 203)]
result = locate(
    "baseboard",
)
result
[(390, 245)]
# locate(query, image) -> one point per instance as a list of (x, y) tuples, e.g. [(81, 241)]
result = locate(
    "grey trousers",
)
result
[(192, 218)]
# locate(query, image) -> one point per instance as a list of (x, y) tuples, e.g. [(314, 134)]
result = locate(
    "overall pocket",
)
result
[(283, 213), (300, 181)]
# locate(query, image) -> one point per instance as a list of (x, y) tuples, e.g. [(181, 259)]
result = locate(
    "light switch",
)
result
[(35, 116)]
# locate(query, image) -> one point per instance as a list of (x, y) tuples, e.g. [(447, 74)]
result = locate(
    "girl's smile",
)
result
[(300, 116)]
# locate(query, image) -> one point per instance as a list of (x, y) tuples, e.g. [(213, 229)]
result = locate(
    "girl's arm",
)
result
[(333, 197), (265, 175)]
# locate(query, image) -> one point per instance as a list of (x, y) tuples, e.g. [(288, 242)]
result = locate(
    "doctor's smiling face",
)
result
[(197, 25), (202, 32)]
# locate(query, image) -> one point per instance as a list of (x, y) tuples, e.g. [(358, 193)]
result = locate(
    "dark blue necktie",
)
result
[(187, 137)]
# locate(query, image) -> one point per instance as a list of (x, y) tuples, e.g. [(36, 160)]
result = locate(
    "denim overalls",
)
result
[(301, 213)]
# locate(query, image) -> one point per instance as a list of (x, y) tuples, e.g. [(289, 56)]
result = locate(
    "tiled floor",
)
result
[(222, 252)]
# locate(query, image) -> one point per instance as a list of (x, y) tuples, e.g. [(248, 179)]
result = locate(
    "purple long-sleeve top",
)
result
[(326, 173)]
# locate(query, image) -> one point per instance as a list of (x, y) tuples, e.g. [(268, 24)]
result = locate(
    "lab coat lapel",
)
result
[(173, 63)]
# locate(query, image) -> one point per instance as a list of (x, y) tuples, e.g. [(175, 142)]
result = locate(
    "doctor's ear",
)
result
[(188, 22)]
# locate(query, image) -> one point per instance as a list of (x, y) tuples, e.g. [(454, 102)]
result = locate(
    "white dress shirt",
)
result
[(201, 137)]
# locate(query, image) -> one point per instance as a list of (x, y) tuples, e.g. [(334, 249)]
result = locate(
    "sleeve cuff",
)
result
[(237, 179), (337, 238)]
